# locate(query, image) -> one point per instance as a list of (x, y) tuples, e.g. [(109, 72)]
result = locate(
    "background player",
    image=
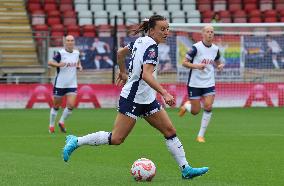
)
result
[(138, 98), (201, 81), (66, 61)]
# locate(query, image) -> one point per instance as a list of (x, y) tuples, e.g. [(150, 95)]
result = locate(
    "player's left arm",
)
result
[(218, 63), (79, 66)]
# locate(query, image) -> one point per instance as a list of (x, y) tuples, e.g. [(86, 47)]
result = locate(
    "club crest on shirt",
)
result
[(152, 53)]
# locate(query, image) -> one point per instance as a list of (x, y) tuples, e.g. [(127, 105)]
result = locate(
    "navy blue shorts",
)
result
[(135, 110), (197, 93), (59, 92)]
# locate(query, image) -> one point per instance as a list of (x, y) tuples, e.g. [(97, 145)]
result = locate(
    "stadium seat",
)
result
[(127, 7), (49, 1), (119, 14), (66, 1), (188, 7), (240, 16), (225, 16), (34, 7), (53, 20), (74, 33), (38, 17), (89, 34), (158, 5), (131, 17), (81, 1), (173, 7), (146, 14), (204, 5), (85, 20), (49, 7), (96, 1), (69, 14), (219, 5), (178, 17), (97, 7), (142, 7), (73, 28), (250, 6), (112, 7), (81, 7), (57, 28), (69, 21), (266, 5), (234, 5), (42, 27), (101, 18), (270, 13), (165, 14), (88, 28), (279, 4), (270, 19), (34, 1), (57, 38), (254, 13), (255, 20), (53, 13), (104, 30), (65, 7), (208, 14)]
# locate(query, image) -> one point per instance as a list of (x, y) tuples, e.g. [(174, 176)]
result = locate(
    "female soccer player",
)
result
[(67, 62), (201, 82), (138, 98)]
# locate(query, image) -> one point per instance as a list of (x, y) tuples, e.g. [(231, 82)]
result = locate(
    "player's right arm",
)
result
[(188, 60), (56, 61)]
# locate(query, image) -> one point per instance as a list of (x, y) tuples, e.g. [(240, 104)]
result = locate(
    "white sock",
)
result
[(204, 123), (66, 113), (52, 116), (97, 63), (187, 106), (177, 151), (97, 138)]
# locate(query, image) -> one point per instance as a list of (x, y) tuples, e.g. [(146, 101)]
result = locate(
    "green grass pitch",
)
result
[(244, 147)]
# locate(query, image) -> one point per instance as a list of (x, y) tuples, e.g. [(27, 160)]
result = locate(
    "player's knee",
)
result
[(208, 108), (195, 112)]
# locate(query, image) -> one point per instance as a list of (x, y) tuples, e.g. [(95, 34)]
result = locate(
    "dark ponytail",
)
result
[(146, 24)]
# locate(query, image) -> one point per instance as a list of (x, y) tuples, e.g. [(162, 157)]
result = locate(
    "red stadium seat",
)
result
[(65, 7), (206, 20), (38, 17), (49, 1), (281, 19), (75, 34), (203, 5), (240, 13), (53, 20), (57, 28), (43, 27), (208, 14), (250, 1), (250, 6), (34, 7), (66, 1), (34, 1), (50, 7), (53, 13), (270, 19), (281, 13), (89, 34), (234, 5), (89, 28), (73, 28), (270, 13), (69, 21), (255, 20), (57, 39), (240, 16), (69, 14), (254, 13)]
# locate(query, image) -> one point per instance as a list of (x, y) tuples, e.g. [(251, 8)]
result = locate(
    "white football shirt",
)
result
[(66, 76), (200, 53), (143, 51)]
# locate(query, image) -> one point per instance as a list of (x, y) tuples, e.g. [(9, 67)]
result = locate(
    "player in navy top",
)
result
[(66, 61), (138, 98), (201, 81)]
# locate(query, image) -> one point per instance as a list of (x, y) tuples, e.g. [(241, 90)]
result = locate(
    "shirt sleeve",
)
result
[(191, 53), (57, 57), (130, 46), (151, 55), (217, 56)]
